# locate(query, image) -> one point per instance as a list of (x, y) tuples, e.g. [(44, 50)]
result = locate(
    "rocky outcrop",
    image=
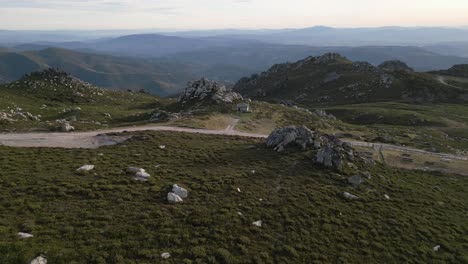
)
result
[(328, 150), (281, 138), (395, 66), (206, 91)]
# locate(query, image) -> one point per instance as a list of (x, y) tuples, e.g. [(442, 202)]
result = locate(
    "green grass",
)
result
[(429, 126), (106, 217), (125, 108)]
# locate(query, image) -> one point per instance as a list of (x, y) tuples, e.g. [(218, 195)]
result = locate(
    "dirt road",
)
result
[(96, 139)]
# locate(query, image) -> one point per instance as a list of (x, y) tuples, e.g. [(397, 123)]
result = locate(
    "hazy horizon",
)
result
[(227, 14)]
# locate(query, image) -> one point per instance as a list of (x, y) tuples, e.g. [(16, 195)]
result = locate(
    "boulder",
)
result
[(174, 198), (24, 235), (86, 168), (181, 192), (39, 260)]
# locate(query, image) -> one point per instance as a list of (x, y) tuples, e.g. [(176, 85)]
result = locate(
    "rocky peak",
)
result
[(205, 90), (395, 66)]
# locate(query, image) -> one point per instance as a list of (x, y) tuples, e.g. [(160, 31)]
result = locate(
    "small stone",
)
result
[(252, 171), (436, 248), (24, 235), (165, 255), (239, 213), (258, 223), (86, 168), (350, 196), (238, 190), (386, 196), (162, 147)]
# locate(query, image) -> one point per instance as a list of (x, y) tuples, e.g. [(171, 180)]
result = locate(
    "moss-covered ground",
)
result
[(106, 217)]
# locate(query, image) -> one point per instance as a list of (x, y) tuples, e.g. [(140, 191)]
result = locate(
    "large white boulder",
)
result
[(174, 198), (183, 193)]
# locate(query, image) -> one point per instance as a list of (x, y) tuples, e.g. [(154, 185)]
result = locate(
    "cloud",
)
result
[(92, 5)]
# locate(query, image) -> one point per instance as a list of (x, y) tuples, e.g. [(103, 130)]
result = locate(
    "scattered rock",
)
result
[(238, 190), (24, 235), (174, 198), (162, 147), (258, 223), (86, 168), (436, 248), (350, 196), (386, 196), (181, 192), (41, 259), (165, 255)]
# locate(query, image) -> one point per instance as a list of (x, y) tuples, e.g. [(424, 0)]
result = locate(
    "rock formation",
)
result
[(328, 150), (207, 91)]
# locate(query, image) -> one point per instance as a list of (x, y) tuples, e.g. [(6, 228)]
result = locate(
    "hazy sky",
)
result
[(211, 14)]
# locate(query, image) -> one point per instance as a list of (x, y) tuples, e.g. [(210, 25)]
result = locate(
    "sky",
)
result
[(222, 14)]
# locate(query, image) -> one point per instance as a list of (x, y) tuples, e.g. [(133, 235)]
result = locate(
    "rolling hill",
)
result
[(332, 79), (159, 76)]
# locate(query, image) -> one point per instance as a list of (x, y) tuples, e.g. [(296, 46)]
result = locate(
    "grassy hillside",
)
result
[(106, 217), (56, 95), (332, 80)]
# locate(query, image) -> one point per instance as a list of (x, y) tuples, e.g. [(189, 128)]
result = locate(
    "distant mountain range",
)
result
[(162, 64)]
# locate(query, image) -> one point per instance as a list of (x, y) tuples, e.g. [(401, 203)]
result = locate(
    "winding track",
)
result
[(96, 139)]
